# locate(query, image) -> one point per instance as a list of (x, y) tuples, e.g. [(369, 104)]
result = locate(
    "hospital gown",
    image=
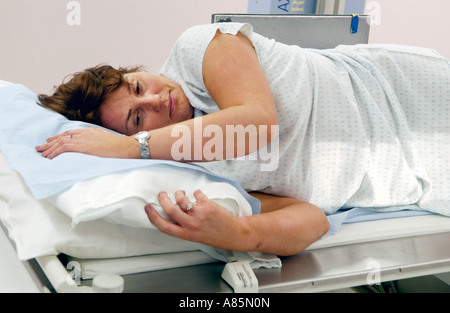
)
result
[(359, 126)]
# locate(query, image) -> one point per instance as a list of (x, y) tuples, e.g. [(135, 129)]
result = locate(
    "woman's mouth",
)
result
[(171, 105)]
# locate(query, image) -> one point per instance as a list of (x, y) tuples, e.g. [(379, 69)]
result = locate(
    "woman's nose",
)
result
[(152, 101)]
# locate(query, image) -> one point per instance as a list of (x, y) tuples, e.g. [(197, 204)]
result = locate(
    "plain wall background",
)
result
[(39, 46), (422, 23)]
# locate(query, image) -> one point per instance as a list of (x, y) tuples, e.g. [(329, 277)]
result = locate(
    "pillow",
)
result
[(38, 228), (24, 125)]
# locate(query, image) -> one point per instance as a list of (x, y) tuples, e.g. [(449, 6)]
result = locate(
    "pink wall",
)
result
[(423, 23), (41, 42)]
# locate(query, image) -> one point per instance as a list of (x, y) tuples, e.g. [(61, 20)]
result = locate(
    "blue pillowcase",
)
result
[(24, 124)]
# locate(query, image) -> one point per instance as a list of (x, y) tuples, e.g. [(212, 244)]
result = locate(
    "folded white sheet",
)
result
[(120, 197), (38, 228)]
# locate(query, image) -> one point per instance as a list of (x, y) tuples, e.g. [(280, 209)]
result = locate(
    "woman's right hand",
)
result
[(93, 141), (207, 222)]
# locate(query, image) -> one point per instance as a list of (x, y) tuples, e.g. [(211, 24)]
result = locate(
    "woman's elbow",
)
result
[(323, 225), (319, 225)]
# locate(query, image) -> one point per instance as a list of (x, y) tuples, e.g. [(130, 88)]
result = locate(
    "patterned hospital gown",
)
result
[(359, 126)]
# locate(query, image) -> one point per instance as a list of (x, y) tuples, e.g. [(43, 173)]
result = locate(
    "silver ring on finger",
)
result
[(69, 135), (190, 206)]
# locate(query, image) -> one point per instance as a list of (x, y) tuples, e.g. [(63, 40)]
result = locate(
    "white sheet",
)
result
[(120, 197), (38, 228)]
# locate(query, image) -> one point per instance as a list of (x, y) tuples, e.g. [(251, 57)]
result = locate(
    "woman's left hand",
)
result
[(93, 141), (206, 222)]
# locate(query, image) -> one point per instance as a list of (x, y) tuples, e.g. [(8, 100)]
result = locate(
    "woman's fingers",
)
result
[(207, 222), (56, 145), (92, 141), (184, 218), (164, 226), (182, 222), (184, 202), (200, 196), (171, 209), (67, 134)]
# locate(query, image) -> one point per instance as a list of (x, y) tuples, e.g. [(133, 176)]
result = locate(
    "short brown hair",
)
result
[(80, 98)]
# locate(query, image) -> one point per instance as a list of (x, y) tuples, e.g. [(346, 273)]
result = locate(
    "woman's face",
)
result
[(152, 102)]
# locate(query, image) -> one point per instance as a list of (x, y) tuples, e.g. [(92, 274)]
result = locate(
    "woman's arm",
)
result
[(293, 225), (285, 226), (235, 80)]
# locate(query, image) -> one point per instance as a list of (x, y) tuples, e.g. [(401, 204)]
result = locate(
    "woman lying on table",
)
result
[(307, 107)]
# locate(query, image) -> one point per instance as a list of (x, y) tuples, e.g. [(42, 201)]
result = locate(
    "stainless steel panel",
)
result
[(307, 31), (314, 270)]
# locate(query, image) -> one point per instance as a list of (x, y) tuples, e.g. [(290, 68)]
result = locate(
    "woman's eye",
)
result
[(138, 88), (138, 119)]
